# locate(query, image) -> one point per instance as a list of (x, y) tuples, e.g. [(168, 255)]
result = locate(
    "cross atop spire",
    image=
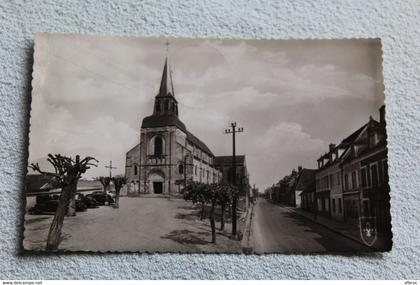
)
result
[(167, 47)]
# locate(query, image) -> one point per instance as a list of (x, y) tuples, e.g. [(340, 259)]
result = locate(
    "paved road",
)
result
[(277, 229)]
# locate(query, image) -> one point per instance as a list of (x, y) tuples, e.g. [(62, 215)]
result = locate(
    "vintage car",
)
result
[(101, 198), (47, 204), (89, 201)]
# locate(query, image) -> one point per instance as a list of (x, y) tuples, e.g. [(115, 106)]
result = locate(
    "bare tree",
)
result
[(105, 181), (67, 173), (212, 194), (71, 211), (197, 192), (224, 199), (119, 181)]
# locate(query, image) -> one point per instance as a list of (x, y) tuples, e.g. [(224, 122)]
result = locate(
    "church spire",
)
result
[(165, 102), (166, 84)]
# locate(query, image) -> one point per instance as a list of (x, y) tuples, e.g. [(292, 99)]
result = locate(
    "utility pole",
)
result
[(233, 130), (110, 168)]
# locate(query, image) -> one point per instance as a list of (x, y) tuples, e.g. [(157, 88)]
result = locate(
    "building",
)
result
[(39, 183), (305, 189), (352, 178), (290, 193), (365, 172), (350, 168), (167, 154), (224, 165), (329, 194), (289, 189)]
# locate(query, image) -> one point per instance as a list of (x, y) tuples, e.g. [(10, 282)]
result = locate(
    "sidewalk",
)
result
[(350, 231), (247, 231)]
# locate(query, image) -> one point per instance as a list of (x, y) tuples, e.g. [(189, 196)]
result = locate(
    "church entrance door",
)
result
[(156, 182), (157, 187)]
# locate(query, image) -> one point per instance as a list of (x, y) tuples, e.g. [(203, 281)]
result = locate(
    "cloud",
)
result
[(292, 97), (57, 131)]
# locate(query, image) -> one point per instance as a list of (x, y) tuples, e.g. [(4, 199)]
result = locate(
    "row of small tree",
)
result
[(216, 194)]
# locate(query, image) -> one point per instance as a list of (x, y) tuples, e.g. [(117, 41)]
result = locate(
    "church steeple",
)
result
[(165, 102), (166, 84)]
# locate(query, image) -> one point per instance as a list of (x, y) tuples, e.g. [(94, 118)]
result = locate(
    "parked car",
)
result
[(47, 204), (89, 201), (80, 206), (102, 198)]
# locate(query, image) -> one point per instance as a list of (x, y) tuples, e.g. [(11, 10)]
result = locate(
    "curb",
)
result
[(246, 245)]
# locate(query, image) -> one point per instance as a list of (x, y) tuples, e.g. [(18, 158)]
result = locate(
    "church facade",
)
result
[(167, 155)]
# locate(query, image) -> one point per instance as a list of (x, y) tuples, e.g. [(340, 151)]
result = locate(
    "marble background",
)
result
[(396, 22)]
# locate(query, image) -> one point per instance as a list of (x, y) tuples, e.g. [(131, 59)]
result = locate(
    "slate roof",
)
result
[(156, 121), (353, 136), (306, 181), (38, 182), (198, 143)]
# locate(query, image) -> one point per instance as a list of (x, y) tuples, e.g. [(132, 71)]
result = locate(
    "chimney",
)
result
[(382, 114), (299, 169)]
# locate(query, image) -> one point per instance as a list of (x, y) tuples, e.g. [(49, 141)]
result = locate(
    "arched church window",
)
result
[(166, 105), (135, 170), (181, 168), (158, 146)]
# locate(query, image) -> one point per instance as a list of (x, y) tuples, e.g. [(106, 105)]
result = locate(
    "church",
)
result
[(167, 155)]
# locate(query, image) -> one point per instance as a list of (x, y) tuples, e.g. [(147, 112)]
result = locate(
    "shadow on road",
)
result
[(188, 216), (330, 240), (187, 237), (190, 208)]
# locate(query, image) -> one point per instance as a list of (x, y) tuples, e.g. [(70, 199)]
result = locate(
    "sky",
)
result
[(292, 97)]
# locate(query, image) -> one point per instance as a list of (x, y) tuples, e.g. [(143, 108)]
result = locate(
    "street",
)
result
[(277, 229)]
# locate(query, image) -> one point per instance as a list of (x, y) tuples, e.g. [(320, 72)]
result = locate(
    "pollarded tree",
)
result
[(105, 181), (205, 194), (224, 199), (119, 181), (67, 173), (197, 193)]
